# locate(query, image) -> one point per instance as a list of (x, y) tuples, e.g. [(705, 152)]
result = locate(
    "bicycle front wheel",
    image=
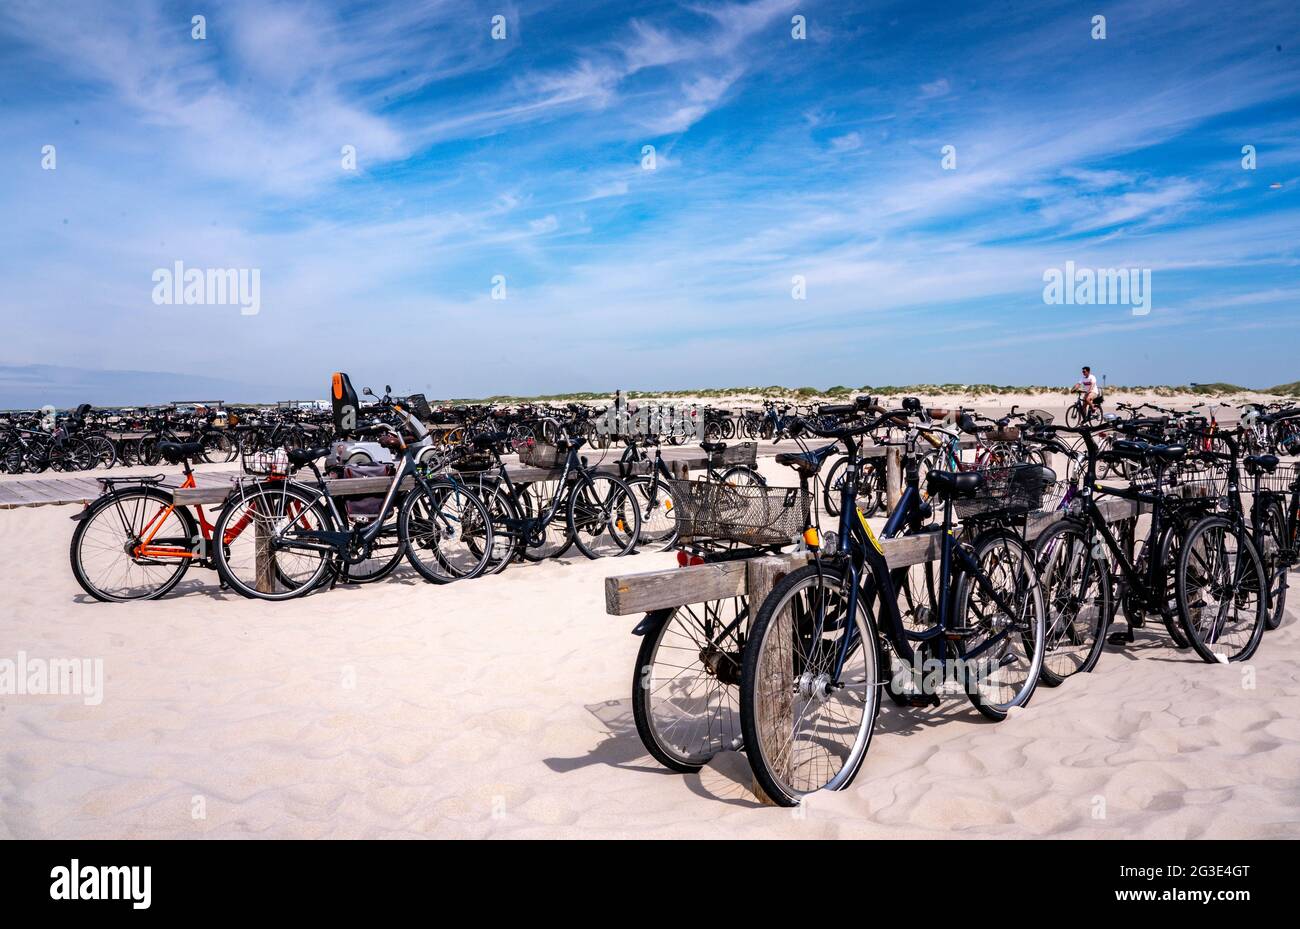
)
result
[(1273, 542), (604, 518), (267, 542), (658, 523), (1076, 591), (1220, 585), (447, 532), (806, 716)]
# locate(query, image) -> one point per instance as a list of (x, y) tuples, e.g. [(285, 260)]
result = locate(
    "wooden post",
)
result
[(264, 558), (777, 668), (893, 476)]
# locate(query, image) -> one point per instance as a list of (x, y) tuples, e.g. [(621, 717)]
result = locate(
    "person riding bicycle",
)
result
[(1087, 388)]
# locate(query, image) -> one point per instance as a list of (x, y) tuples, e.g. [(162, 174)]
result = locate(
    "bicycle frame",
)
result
[(868, 573)]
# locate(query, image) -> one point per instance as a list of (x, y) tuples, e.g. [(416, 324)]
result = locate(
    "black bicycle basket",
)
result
[(749, 515), (1010, 491)]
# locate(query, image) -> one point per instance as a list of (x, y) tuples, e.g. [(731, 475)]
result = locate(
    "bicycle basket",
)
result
[(1281, 481), (265, 462), (749, 515), (1054, 495), (1199, 482), (1013, 490), (540, 454)]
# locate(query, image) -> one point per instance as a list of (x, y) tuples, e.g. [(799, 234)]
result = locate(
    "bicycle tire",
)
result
[(115, 503), (764, 687)]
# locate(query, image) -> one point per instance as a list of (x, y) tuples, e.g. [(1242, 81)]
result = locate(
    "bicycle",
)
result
[(302, 539), (1220, 570), (134, 543), (600, 514), (813, 668), (1146, 581), (1082, 413), (651, 491)]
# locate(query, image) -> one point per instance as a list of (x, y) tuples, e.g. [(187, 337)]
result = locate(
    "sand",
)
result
[(501, 708)]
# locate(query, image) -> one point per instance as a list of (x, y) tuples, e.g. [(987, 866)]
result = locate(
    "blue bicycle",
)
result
[(833, 634)]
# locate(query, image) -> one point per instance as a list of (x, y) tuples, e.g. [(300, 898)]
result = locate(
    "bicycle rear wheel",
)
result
[(1007, 637), (107, 559), (1220, 584), (1076, 591), (807, 725)]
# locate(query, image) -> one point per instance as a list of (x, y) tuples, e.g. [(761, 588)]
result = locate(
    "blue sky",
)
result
[(774, 157)]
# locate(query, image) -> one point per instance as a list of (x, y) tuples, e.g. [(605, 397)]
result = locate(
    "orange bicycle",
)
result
[(134, 542)]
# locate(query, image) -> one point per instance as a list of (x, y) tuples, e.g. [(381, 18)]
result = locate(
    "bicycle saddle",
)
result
[(953, 484), (175, 452), (301, 456), (1130, 449), (489, 440), (1169, 452), (1256, 464), (807, 463), (714, 446)]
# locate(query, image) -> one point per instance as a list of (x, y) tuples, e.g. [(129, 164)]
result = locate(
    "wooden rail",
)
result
[(681, 459)]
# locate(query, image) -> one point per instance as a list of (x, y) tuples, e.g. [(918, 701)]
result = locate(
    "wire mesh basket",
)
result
[(264, 462), (1013, 490), (749, 515), (1061, 496), (1281, 481), (1198, 480), (540, 454)]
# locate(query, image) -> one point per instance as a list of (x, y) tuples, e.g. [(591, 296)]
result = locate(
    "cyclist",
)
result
[(1087, 386)]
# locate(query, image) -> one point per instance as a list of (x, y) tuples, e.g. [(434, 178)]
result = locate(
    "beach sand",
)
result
[(501, 708)]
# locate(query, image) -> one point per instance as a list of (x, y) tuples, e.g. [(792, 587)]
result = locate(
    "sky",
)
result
[(643, 195)]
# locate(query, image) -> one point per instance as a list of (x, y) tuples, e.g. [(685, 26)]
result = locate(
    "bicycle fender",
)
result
[(651, 622)]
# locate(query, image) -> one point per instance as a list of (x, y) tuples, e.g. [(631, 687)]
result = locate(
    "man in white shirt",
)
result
[(1087, 386)]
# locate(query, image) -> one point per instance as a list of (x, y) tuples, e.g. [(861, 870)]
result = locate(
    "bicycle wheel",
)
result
[(1220, 583), (1002, 656), (1074, 416), (604, 518), (1272, 542), (1076, 591), (385, 555), (265, 529), (686, 689), (807, 724), (534, 500), (506, 521), (105, 552), (655, 504), (102, 452), (743, 476), (447, 532), (217, 447)]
